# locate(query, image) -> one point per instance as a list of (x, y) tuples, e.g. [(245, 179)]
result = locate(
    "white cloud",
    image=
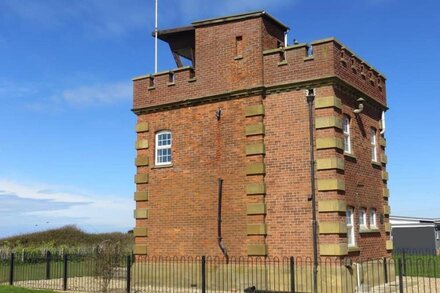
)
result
[(107, 93), (40, 191), (41, 205), (90, 95), (13, 89)]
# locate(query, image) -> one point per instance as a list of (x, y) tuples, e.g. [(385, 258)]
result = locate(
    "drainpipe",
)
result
[(219, 220), (310, 99), (384, 127)]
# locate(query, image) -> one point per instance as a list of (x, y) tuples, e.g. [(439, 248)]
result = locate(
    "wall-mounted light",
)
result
[(360, 107)]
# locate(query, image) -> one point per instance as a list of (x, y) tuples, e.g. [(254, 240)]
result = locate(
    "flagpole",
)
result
[(155, 36)]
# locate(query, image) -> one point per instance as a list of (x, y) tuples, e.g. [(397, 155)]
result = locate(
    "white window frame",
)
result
[(349, 218), (347, 136), (373, 141), (158, 161), (363, 219), (373, 218)]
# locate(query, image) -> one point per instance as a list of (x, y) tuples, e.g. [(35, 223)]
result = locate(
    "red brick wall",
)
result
[(288, 174), (363, 179), (183, 198)]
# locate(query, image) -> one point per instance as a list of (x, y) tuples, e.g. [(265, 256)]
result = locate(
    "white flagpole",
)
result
[(155, 37)]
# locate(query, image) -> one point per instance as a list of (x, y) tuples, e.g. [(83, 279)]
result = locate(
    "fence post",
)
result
[(399, 262), (128, 273), (11, 269), (404, 263), (48, 259), (203, 274), (292, 274), (65, 272), (385, 270)]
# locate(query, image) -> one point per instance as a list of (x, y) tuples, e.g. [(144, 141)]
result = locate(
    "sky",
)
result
[(66, 126)]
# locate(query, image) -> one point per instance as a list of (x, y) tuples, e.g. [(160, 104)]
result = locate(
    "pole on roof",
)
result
[(155, 35)]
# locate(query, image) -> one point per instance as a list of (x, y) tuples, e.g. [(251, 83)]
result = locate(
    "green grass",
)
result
[(419, 265), (9, 289), (37, 271)]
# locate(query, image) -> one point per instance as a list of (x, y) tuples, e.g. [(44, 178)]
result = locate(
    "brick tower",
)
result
[(239, 113)]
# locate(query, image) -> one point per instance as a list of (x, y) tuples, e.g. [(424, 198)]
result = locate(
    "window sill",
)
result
[(311, 57), (376, 164), (353, 249), (363, 229), (368, 231), (350, 156), (282, 63), (151, 88), (239, 57), (162, 166)]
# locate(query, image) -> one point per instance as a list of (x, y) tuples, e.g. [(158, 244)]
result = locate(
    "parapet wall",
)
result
[(326, 58)]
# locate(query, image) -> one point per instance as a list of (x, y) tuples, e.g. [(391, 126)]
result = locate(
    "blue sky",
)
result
[(66, 134)]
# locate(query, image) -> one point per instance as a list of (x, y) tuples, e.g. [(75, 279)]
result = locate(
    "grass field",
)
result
[(420, 265), (37, 271), (9, 289)]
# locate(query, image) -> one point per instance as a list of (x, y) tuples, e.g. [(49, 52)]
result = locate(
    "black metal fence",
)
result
[(95, 273)]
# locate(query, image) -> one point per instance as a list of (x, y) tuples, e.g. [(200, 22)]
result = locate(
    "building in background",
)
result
[(415, 235), (239, 113)]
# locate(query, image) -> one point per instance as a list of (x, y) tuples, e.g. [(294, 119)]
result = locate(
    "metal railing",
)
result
[(93, 273)]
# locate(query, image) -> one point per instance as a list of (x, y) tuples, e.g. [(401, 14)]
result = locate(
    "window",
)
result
[(151, 82), (373, 145), (171, 78), (373, 218), (346, 130), (163, 148), (350, 227), (239, 46), (362, 219)]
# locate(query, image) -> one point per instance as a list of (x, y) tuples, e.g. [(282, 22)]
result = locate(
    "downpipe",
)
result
[(219, 221), (310, 95)]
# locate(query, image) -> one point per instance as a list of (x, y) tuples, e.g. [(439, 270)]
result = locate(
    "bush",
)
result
[(67, 239), (108, 259)]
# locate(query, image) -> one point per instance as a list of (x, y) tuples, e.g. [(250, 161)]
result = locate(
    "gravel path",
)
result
[(92, 285)]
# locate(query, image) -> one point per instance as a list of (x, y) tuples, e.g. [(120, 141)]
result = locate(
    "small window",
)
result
[(350, 227), (163, 148), (362, 219), (309, 51), (171, 77), (373, 218), (239, 46), (282, 57), (152, 82), (373, 145), (346, 130)]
